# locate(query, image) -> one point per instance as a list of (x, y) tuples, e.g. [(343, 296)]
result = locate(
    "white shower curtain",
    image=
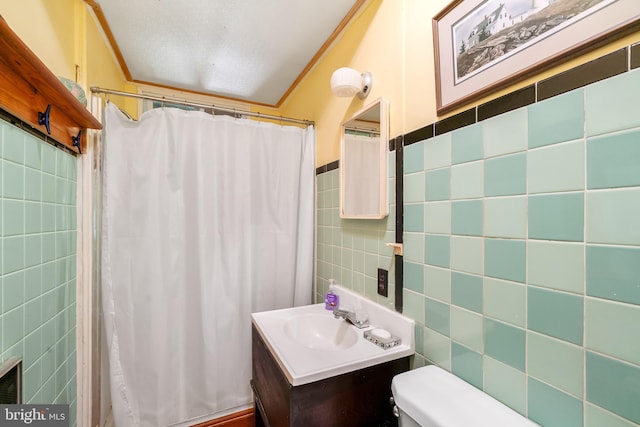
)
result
[(205, 220)]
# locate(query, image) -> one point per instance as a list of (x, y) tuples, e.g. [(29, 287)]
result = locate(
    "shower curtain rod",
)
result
[(95, 89), (362, 130)]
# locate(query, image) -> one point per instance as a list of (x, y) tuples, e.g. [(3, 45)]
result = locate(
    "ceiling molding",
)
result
[(97, 10), (323, 49), (195, 92)]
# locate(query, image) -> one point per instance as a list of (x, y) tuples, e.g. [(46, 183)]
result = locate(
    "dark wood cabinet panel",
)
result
[(359, 398)]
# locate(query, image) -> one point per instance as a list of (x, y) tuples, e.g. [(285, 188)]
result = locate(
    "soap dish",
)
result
[(382, 338)]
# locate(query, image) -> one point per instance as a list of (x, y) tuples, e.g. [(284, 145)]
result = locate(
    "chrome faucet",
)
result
[(358, 319)]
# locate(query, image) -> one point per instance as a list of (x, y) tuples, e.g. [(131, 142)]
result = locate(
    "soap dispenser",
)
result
[(331, 299)]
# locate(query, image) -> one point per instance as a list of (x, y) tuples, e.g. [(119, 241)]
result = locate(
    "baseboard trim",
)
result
[(237, 419)]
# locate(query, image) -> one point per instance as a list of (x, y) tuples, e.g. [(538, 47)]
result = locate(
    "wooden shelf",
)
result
[(27, 87)]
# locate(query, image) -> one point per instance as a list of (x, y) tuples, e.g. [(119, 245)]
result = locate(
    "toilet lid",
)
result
[(434, 397)]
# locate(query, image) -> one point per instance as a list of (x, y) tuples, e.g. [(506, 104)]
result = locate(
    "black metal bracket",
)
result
[(45, 119), (77, 141)]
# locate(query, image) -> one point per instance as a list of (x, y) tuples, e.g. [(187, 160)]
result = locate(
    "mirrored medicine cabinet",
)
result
[(364, 139)]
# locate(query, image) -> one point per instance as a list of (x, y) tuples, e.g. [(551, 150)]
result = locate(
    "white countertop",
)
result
[(303, 364)]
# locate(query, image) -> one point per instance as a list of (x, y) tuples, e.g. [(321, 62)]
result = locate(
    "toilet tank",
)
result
[(432, 397)]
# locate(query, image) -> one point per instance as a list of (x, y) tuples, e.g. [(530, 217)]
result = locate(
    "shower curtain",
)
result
[(205, 220)]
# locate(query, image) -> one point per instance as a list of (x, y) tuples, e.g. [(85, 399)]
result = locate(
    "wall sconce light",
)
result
[(346, 82)]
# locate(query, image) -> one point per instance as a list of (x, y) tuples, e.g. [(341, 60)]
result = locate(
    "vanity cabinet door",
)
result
[(359, 398), (272, 391)]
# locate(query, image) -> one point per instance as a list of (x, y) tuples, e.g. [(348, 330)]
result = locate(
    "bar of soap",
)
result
[(381, 334)]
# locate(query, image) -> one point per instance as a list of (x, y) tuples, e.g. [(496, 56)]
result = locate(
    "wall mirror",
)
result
[(364, 139)]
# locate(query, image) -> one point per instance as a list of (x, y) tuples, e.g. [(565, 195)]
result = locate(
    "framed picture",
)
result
[(482, 46)]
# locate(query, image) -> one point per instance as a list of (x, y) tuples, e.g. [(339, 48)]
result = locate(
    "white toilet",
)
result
[(432, 397)]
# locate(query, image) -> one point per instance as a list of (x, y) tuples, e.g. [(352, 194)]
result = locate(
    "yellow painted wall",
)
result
[(372, 42), (67, 39), (393, 40), (47, 27), (101, 65)]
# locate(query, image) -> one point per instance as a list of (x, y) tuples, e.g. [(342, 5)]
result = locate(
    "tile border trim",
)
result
[(612, 64)]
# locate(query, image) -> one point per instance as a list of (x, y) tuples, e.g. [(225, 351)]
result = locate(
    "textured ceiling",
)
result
[(250, 50)]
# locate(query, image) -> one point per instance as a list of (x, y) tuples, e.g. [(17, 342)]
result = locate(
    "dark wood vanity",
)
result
[(359, 398)]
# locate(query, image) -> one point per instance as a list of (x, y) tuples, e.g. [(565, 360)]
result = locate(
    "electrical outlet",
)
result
[(383, 282)]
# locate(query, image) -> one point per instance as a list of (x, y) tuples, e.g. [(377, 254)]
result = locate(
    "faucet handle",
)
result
[(361, 315), (339, 312)]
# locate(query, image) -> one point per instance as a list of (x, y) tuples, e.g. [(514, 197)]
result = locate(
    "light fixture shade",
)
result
[(346, 82)]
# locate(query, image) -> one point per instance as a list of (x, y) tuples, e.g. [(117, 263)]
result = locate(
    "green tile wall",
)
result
[(505, 343), (467, 180), (541, 209), (554, 313), (436, 250), (505, 217), (505, 175), (437, 184), (557, 217), (466, 291), (558, 167), (466, 217), (437, 283), (38, 265), (437, 316), (556, 120), (466, 145), (613, 272), (612, 160), (550, 407), (505, 259), (613, 385), (539, 302), (467, 364)]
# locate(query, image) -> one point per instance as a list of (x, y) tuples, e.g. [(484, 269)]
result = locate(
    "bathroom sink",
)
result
[(310, 344), (321, 332)]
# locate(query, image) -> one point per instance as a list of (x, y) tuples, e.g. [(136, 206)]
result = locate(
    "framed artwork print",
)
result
[(484, 45)]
